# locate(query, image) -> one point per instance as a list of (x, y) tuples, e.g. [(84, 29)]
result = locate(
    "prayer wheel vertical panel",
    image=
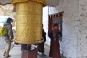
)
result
[(29, 22)]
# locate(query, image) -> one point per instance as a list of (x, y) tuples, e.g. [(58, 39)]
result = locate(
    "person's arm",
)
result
[(50, 35), (60, 34)]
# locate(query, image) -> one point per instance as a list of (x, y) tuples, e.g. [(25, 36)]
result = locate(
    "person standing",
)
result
[(54, 44), (41, 45), (9, 37)]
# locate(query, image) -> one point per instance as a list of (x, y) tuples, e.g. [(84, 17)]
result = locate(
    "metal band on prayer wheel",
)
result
[(28, 22)]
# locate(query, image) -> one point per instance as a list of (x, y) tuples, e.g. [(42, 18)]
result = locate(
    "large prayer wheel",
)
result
[(29, 21)]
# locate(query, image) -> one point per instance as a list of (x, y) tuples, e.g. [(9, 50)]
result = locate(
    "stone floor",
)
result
[(16, 52)]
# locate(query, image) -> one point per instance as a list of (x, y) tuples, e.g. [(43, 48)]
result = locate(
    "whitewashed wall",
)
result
[(45, 24), (74, 44), (82, 34), (70, 30), (68, 45), (70, 26), (47, 11)]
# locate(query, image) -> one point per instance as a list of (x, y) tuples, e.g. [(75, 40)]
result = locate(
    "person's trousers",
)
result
[(7, 48)]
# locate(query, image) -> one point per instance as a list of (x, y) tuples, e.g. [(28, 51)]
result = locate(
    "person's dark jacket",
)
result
[(51, 35), (44, 35)]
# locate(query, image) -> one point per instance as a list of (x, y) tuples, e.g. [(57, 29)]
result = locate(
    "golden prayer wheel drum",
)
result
[(28, 22)]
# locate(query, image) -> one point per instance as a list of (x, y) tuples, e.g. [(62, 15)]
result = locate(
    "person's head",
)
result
[(9, 20), (55, 26)]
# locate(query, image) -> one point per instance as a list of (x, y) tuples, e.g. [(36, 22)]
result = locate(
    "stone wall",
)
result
[(74, 44), (45, 24), (82, 34), (7, 10), (70, 27), (70, 30)]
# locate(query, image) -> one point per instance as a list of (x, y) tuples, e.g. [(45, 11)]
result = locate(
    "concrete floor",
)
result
[(16, 52)]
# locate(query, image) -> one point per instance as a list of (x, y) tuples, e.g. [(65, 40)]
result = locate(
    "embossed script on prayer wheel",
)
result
[(28, 22)]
